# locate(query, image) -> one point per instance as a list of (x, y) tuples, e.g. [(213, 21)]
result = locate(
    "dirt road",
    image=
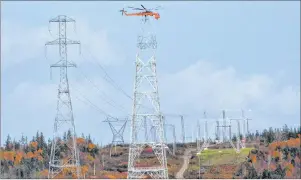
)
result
[(186, 158)]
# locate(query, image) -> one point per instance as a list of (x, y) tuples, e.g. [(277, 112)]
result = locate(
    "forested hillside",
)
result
[(29, 159), (275, 160)]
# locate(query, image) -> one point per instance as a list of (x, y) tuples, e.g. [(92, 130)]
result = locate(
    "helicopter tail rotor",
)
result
[(122, 11)]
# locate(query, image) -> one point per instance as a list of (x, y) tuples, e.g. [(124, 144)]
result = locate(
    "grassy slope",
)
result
[(225, 160), (222, 156)]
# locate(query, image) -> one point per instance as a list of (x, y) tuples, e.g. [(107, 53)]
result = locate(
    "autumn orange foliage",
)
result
[(18, 158), (9, 155), (289, 170), (253, 158), (44, 173), (273, 167), (292, 142), (290, 167), (40, 151), (275, 154), (40, 158), (288, 174), (80, 141), (84, 169), (1, 155), (34, 144), (29, 155), (91, 146), (111, 176)]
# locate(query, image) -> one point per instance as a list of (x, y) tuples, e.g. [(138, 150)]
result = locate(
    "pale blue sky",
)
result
[(225, 55)]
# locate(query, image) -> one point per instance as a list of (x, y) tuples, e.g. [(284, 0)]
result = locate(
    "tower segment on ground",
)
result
[(146, 94), (64, 120)]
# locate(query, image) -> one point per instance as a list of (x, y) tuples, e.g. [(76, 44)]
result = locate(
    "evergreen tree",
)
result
[(33, 139), (17, 145), (69, 135), (257, 134), (14, 145), (295, 132), (42, 141), (8, 143), (37, 136), (22, 141), (240, 136), (89, 139), (234, 138), (286, 131)]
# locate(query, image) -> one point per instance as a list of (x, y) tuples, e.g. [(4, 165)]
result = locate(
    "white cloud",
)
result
[(21, 44), (96, 44), (29, 43), (32, 95), (36, 101), (35, 104), (204, 86)]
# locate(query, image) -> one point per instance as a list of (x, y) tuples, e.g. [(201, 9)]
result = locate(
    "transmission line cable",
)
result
[(112, 82), (104, 95), (107, 77), (92, 104)]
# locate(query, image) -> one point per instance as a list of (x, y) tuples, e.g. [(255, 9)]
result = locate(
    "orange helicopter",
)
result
[(145, 13)]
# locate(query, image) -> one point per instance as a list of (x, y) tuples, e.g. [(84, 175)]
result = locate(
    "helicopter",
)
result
[(145, 13)]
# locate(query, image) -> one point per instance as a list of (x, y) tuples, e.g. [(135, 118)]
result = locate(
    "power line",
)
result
[(107, 76), (92, 105), (111, 82), (104, 95)]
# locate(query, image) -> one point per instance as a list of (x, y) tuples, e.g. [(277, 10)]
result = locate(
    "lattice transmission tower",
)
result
[(117, 127), (226, 130), (241, 136), (146, 92), (64, 120)]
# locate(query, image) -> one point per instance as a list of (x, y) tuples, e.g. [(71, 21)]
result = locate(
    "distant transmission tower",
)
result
[(117, 133), (182, 125), (224, 127), (64, 120), (207, 139), (217, 132), (146, 88), (198, 145), (226, 130), (183, 129), (174, 143), (240, 142)]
